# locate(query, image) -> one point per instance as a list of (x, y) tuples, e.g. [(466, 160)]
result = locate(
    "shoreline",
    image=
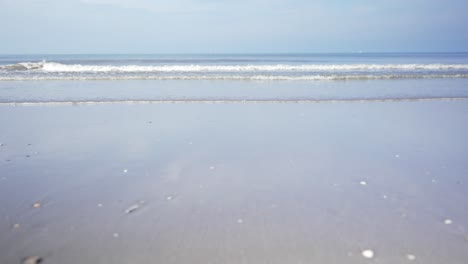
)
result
[(234, 101)]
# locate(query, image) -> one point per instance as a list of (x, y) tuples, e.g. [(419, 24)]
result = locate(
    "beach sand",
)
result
[(348, 182)]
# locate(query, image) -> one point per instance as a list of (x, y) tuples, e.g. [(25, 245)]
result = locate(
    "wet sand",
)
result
[(235, 183)]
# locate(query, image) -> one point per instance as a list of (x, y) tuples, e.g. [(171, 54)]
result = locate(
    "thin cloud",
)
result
[(158, 6)]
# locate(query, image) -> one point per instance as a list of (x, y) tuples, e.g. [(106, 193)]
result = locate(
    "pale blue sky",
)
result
[(242, 26)]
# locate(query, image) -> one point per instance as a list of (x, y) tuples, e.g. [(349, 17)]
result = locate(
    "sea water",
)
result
[(233, 77)]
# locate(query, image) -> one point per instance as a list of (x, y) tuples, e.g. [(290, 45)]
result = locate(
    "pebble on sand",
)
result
[(32, 260), (212, 167), (397, 155), (116, 235), (16, 226), (37, 205), (363, 182), (240, 221), (169, 197), (125, 170), (448, 221), (368, 253), (411, 257)]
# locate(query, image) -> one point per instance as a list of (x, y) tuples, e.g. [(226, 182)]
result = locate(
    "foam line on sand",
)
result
[(230, 101)]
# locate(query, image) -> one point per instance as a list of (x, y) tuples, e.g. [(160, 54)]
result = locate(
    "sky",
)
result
[(232, 26)]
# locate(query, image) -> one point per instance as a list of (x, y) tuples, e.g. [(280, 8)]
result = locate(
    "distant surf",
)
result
[(77, 68), (30, 71), (235, 67)]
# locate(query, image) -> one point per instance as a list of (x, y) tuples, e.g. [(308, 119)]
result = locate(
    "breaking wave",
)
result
[(26, 71), (78, 68)]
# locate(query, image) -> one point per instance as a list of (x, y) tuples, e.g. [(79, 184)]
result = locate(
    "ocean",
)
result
[(225, 77)]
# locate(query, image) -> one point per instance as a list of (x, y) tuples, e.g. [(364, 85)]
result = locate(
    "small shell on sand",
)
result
[(212, 167), (397, 156), (411, 257), (448, 221), (134, 207), (368, 253), (116, 235), (37, 205), (169, 197), (16, 226), (32, 260), (363, 183), (125, 171), (240, 221)]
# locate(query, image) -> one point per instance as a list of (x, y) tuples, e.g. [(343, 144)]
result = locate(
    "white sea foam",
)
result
[(78, 68), (229, 77), (28, 71), (57, 67)]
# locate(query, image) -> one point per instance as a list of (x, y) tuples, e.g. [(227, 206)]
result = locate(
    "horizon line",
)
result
[(248, 53)]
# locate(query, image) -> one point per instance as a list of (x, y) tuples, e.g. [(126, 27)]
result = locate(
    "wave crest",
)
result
[(78, 68)]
